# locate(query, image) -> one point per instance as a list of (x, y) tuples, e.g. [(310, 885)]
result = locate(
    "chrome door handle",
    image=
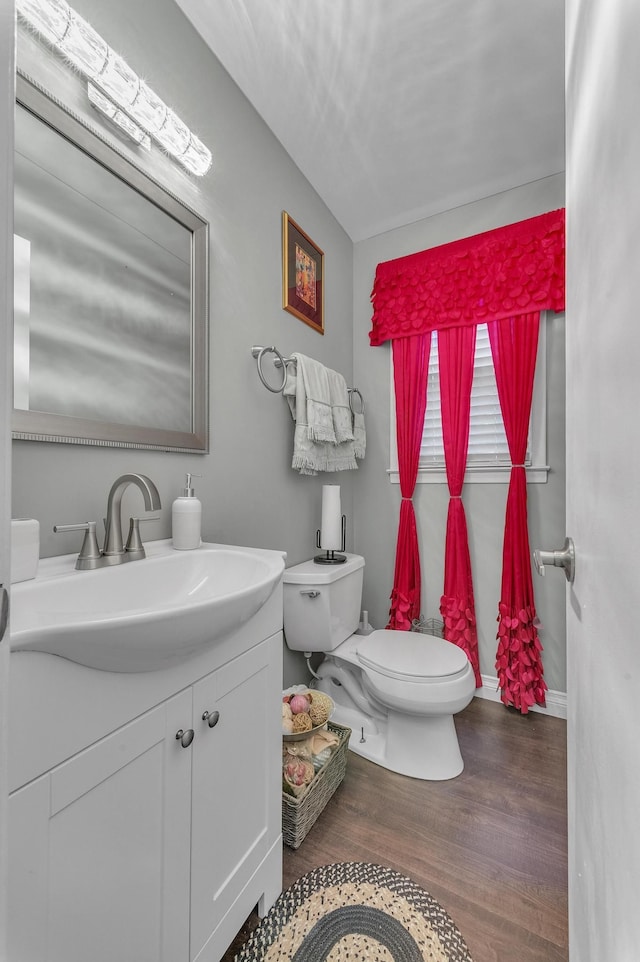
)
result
[(4, 610), (564, 557)]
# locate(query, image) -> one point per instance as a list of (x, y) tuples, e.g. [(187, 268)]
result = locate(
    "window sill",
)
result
[(488, 475)]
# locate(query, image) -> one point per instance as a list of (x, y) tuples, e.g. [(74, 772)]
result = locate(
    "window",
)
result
[(488, 456)]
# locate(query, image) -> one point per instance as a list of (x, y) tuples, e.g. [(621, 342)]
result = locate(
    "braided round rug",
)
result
[(355, 912)]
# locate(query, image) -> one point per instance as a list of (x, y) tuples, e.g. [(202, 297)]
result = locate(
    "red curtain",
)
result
[(503, 276), (498, 274), (411, 368), (514, 344), (456, 351)]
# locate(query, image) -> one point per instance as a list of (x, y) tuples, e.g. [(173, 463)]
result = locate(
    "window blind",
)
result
[(487, 440)]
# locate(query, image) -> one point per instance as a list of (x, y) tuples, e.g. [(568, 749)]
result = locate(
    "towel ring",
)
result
[(259, 353), (352, 391), (280, 361)]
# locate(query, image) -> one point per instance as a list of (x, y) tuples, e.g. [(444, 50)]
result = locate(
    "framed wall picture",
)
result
[(302, 275)]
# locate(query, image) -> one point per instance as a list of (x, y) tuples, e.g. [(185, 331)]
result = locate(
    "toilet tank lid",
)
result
[(310, 573), (410, 655)]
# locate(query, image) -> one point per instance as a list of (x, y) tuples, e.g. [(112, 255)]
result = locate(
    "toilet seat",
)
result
[(408, 673), (411, 657)]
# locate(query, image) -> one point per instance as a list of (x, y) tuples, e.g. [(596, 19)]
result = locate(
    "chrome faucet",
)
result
[(113, 545), (114, 551)]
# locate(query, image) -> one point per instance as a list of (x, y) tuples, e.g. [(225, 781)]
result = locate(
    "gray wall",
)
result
[(378, 501), (249, 493)]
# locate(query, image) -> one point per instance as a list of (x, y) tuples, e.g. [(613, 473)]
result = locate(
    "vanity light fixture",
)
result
[(85, 50)]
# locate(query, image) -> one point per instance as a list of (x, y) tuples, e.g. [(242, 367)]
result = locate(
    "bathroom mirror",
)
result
[(111, 293)]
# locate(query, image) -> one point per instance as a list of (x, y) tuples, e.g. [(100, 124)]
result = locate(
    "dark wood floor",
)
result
[(490, 845)]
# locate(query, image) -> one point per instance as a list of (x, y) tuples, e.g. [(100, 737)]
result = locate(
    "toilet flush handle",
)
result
[(310, 593)]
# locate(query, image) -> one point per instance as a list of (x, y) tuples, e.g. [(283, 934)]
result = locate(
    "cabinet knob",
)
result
[(185, 738), (212, 718)]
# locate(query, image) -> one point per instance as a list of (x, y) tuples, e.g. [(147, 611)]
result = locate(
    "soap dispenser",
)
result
[(186, 518)]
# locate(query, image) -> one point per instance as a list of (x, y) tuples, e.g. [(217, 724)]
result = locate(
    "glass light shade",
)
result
[(148, 109), (50, 17), (175, 135), (83, 46), (118, 80), (132, 130), (196, 157), (109, 109), (98, 99)]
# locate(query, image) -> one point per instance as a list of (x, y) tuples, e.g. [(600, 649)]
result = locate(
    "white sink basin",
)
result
[(144, 615)]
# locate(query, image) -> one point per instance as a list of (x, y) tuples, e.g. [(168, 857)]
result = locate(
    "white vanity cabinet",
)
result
[(154, 842), (236, 790), (99, 849)]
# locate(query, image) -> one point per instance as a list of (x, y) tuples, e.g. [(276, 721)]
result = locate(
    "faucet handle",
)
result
[(134, 544), (134, 541), (89, 552)]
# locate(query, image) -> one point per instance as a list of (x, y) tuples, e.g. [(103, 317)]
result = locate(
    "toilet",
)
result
[(397, 690)]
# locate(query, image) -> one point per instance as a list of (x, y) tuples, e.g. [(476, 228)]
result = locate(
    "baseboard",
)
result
[(556, 700)]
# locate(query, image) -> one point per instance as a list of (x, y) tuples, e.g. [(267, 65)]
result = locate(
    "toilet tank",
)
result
[(322, 603)]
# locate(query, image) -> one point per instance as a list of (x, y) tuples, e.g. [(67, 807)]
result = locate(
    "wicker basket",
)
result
[(300, 814)]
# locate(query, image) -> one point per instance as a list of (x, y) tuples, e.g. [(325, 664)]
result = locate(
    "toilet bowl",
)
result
[(398, 691)]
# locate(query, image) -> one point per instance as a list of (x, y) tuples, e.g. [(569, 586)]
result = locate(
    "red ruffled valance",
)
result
[(501, 273)]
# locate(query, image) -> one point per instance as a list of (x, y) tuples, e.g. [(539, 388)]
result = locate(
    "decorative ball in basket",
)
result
[(304, 712)]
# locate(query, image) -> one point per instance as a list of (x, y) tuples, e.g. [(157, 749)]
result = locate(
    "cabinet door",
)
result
[(236, 789), (99, 849)]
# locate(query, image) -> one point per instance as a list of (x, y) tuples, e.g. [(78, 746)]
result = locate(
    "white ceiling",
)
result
[(397, 109)]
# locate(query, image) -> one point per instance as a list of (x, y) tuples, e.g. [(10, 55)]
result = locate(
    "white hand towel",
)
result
[(315, 379), (308, 456), (339, 457), (290, 389), (359, 435), (340, 409), (311, 456)]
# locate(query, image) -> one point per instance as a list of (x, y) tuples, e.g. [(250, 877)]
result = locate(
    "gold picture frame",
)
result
[(302, 275)]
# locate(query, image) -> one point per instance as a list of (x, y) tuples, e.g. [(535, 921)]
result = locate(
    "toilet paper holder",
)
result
[(332, 557)]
